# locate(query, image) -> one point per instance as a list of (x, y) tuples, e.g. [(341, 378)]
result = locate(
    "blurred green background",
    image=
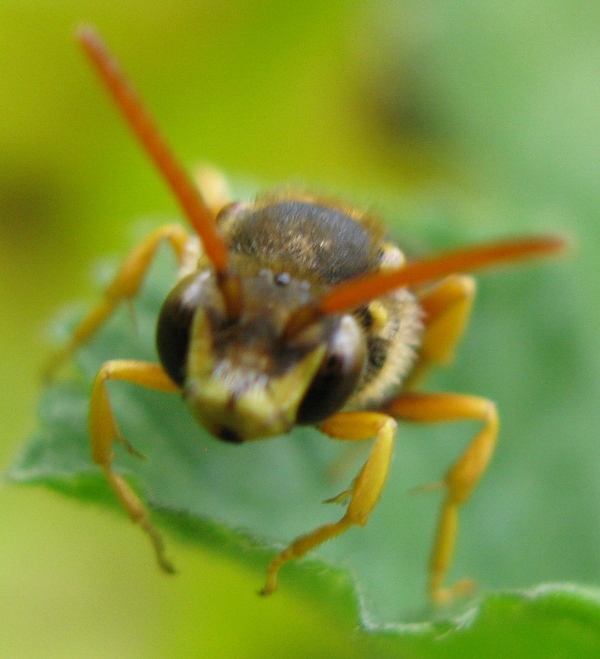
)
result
[(486, 110)]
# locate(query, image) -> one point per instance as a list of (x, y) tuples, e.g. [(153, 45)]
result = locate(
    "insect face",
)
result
[(248, 378)]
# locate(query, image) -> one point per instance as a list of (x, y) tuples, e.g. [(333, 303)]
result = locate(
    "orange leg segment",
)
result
[(460, 479), (447, 308), (124, 286), (214, 187), (366, 488), (104, 431)]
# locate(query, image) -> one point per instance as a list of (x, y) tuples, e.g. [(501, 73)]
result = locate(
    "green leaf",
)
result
[(248, 501)]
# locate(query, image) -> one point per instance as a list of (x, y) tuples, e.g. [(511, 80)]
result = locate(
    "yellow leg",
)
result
[(365, 491), (447, 307), (461, 477), (104, 431), (124, 286), (213, 187)]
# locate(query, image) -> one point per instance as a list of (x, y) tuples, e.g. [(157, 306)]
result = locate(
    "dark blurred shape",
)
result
[(31, 202)]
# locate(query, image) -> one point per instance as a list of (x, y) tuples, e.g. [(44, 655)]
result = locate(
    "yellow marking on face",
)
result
[(268, 407), (200, 357)]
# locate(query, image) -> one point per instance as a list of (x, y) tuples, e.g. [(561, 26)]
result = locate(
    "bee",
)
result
[(295, 310)]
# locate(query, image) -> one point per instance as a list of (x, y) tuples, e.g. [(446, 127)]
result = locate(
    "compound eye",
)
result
[(338, 375), (175, 324)]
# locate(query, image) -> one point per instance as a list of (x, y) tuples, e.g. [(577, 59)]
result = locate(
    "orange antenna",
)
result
[(147, 132), (350, 294)]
